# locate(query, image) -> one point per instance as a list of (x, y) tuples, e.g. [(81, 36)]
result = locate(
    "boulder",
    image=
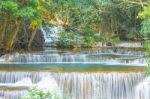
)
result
[(24, 36)]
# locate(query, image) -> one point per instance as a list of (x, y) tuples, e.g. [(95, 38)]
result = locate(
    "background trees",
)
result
[(113, 19), (93, 20), (14, 14)]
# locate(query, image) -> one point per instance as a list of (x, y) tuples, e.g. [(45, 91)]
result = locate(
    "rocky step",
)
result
[(13, 86)]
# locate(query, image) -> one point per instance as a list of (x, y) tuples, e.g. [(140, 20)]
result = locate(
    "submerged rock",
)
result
[(24, 36)]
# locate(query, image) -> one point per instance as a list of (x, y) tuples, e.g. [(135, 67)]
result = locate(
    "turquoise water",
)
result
[(71, 67)]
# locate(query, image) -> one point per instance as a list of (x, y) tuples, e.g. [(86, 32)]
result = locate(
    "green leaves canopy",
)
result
[(21, 9)]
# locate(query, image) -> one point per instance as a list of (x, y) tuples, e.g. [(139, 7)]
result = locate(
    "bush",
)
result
[(85, 38), (35, 93)]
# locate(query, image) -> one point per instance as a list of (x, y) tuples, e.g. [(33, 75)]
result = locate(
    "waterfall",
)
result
[(51, 34), (88, 56), (9, 94), (143, 89), (77, 85), (20, 71), (132, 45), (100, 85), (74, 84)]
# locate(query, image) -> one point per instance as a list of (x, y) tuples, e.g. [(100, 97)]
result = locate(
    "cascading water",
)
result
[(143, 89), (76, 84), (99, 85), (51, 34), (97, 56)]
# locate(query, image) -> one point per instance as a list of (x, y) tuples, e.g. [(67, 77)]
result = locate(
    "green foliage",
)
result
[(34, 3), (8, 5), (145, 13), (67, 39), (145, 30), (89, 36), (108, 18), (86, 37), (147, 45), (145, 16), (103, 16), (21, 9), (26, 13), (14, 14), (35, 93)]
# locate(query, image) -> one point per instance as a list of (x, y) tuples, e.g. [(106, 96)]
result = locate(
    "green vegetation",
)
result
[(35, 93), (86, 22), (145, 32), (14, 14), (112, 20), (145, 15)]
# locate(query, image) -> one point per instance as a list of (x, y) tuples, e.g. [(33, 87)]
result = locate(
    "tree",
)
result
[(14, 14)]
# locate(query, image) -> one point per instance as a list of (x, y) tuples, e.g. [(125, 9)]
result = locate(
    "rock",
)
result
[(105, 44), (24, 36), (108, 44), (38, 41)]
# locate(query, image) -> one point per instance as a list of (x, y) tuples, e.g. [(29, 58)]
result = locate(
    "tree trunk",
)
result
[(12, 36), (31, 39), (3, 28)]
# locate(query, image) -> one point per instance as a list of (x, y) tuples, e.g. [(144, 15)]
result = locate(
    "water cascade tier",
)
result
[(143, 89), (51, 34), (73, 85), (87, 56)]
